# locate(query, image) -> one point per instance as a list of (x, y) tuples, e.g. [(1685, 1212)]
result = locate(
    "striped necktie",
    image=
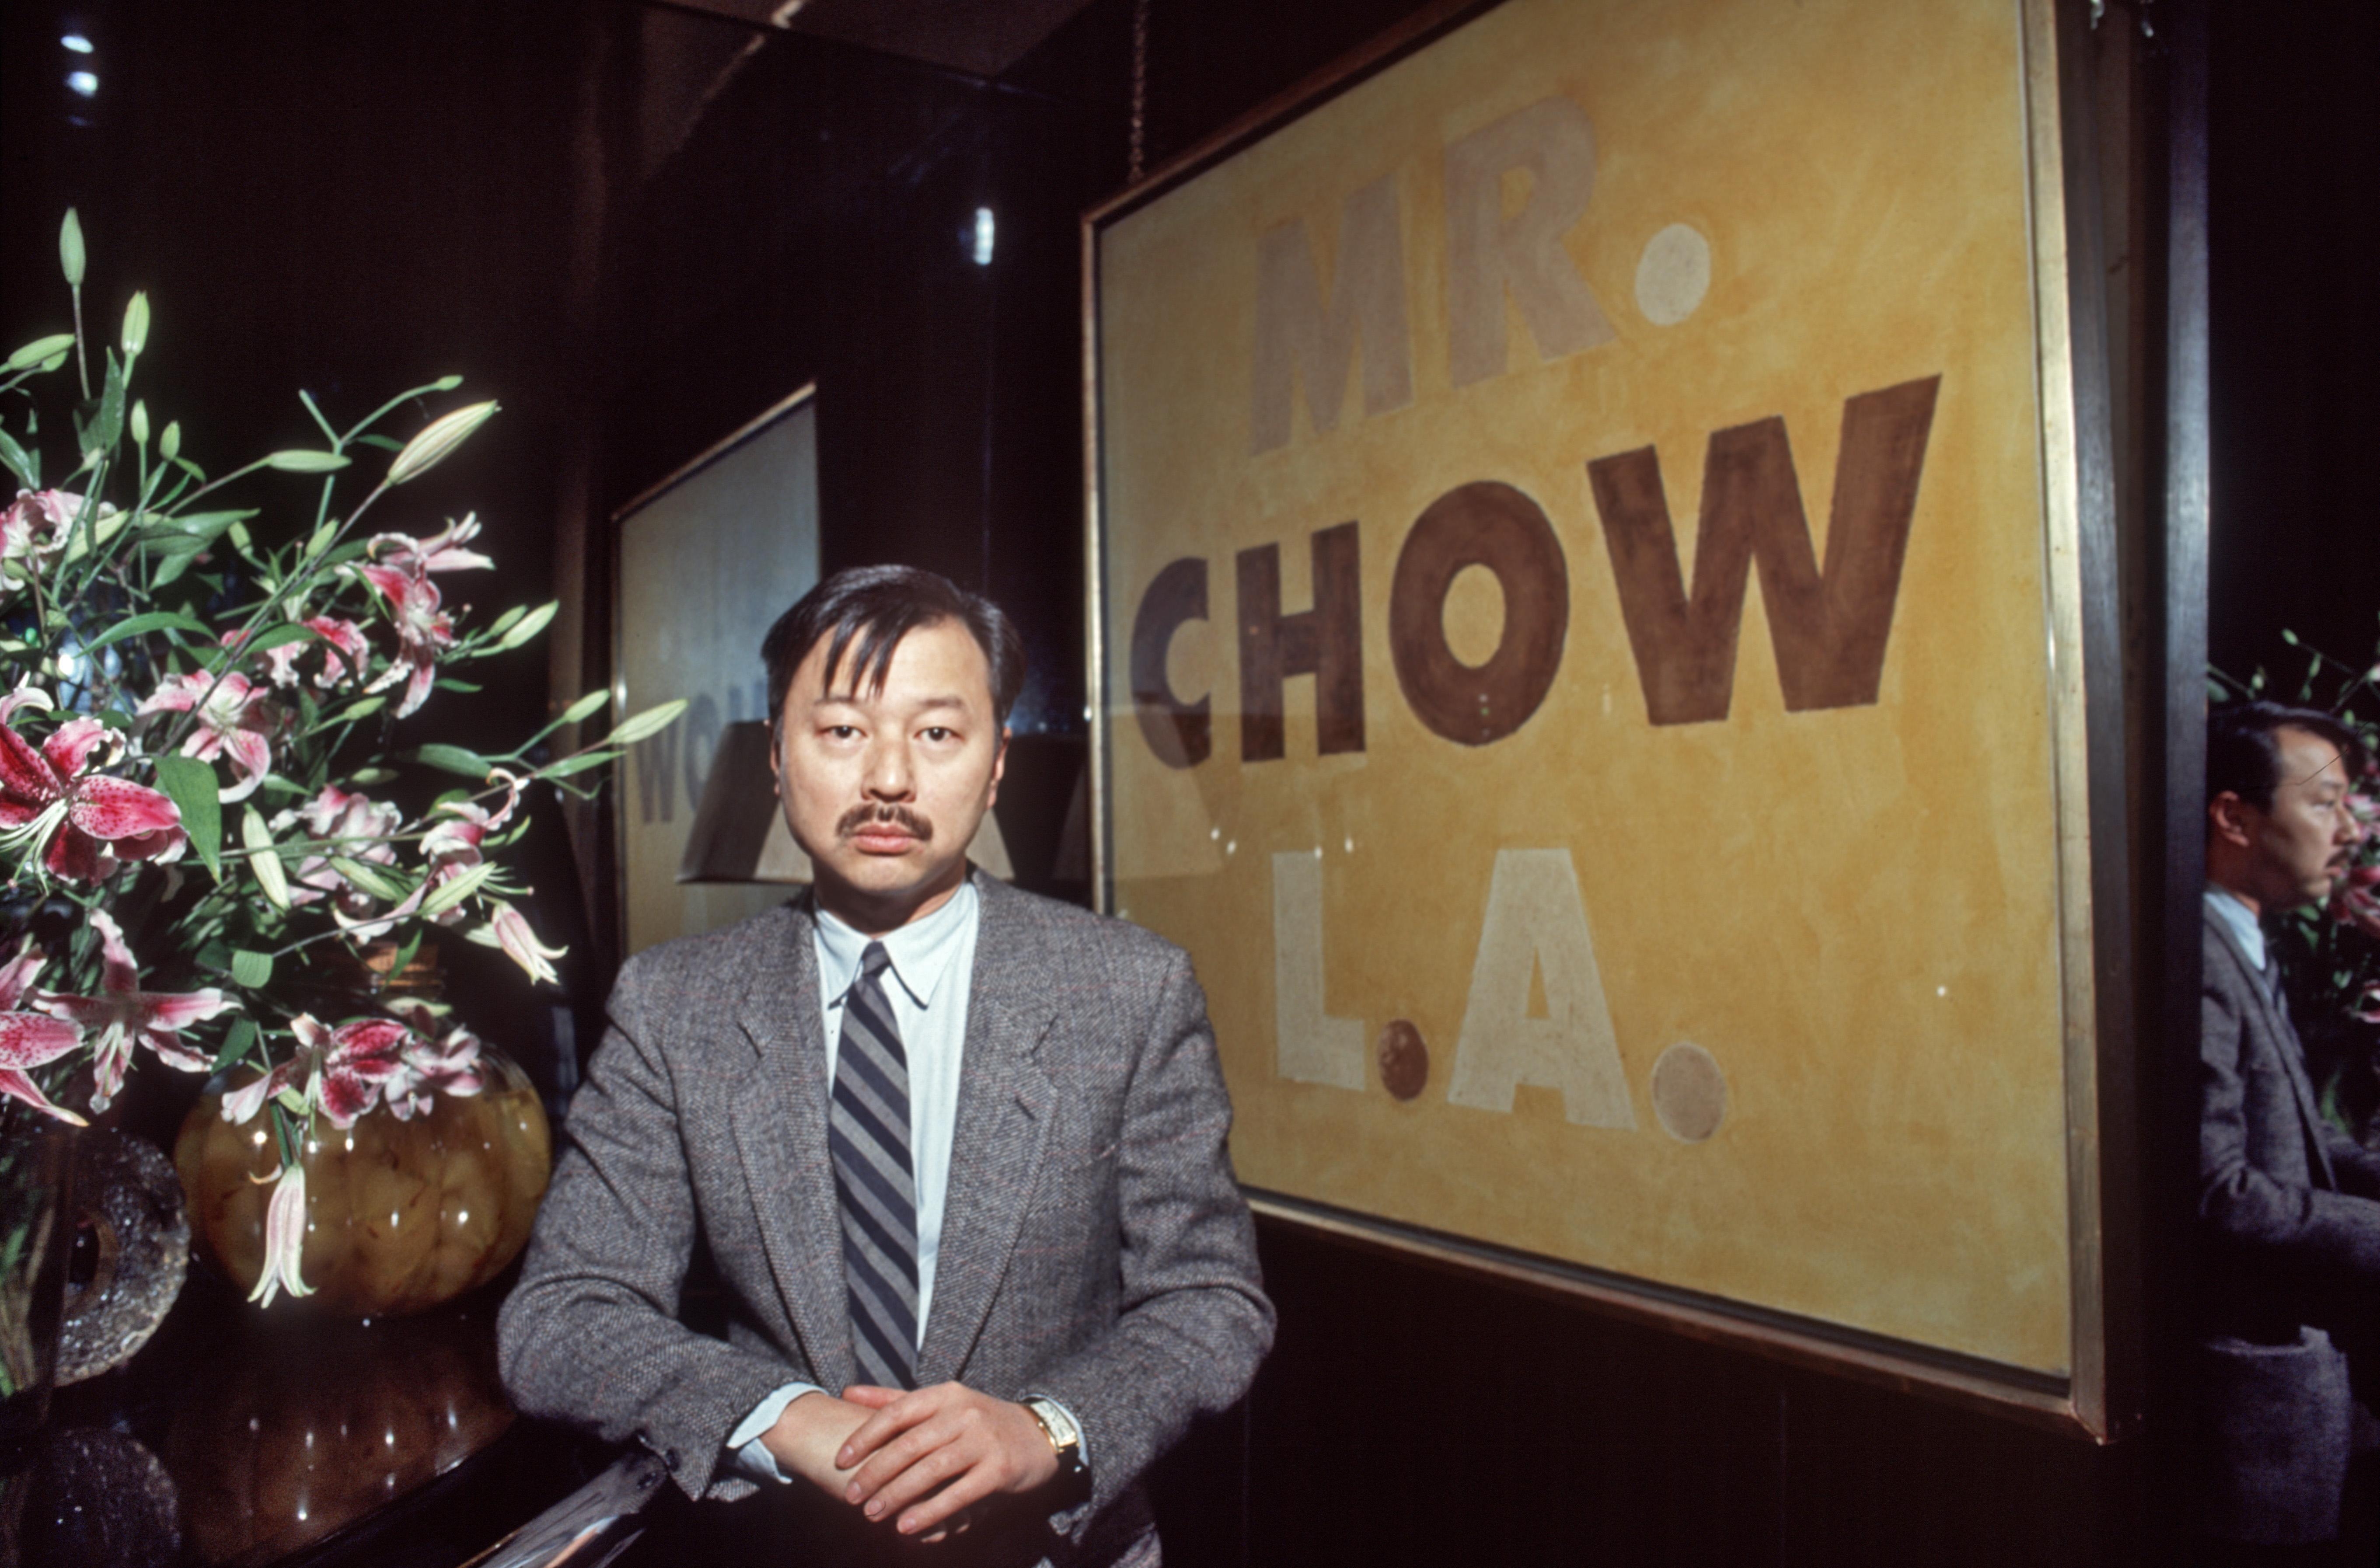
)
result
[(868, 1135)]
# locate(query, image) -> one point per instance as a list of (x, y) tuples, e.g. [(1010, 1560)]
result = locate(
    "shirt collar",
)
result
[(921, 951), (2237, 919)]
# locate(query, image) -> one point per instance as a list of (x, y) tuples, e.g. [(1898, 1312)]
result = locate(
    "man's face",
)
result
[(884, 791), (2297, 850)]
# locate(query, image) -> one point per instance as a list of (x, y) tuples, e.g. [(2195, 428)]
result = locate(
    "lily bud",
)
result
[(437, 439), (136, 324), (70, 259), (169, 446), (140, 423)]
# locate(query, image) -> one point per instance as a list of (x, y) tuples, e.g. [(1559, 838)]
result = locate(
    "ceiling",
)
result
[(980, 37)]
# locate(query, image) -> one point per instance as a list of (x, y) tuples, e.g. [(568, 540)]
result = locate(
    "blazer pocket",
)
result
[(2280, 1422)]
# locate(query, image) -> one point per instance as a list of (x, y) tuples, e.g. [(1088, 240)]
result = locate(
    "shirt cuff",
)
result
[(752, 1455)]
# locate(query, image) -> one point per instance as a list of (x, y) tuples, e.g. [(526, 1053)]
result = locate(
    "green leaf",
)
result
[(448, 683), (578, 764), (203, 527), (651, 721), (237, 1044), (369, 878), (253, 970), (262, 859), (21, 463), (190, 785), (452, 759), (281, 636), (530, 624), (298, 460), (141, 626), (451, 893), (314, 408), (40, 350), (386, 443), (107, 425), (70, 252)]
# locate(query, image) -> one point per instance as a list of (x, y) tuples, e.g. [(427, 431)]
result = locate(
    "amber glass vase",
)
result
[(400, 1216)]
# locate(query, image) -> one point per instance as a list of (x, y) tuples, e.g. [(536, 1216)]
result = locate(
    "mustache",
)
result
[(908, 822)]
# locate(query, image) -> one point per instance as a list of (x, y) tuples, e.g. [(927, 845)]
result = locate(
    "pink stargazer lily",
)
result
[(423, 631), (348, 1070), (346, 654), (236, 718), (124, 1014), (37, 525), (452, 845), (341, 1070), (440, 552), (284, 1239), (358, 828), (509, 930), (438, 1061), (89, 819), (31, 1039)]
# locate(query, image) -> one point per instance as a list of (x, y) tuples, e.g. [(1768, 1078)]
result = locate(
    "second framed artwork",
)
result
[(1586, 617), (708, 559)]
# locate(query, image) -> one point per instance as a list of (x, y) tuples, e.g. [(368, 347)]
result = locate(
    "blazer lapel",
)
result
[(2285, 1046), (1003, 1121), (781, 1134)]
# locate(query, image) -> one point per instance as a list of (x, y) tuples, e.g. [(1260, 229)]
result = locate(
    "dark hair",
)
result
[(2243, 752), (866, 610)]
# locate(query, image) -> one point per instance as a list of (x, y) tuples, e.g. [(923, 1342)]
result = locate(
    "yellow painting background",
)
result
[(1855, 910)]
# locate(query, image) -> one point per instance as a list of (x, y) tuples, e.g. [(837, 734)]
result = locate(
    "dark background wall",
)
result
[(638, 226)]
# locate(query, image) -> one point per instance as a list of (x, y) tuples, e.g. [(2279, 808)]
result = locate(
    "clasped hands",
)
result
[(917, 1458)]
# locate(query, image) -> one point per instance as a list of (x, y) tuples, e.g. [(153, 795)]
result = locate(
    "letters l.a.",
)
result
[(1536, 924)]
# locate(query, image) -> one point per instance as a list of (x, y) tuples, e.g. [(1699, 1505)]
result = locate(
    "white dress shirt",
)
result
[(933, 960), (2240, 922)]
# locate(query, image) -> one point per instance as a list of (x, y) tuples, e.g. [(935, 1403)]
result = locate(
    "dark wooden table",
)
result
[(238, 1438)]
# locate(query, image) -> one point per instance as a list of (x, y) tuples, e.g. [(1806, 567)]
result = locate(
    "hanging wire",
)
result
[(1138, 164)]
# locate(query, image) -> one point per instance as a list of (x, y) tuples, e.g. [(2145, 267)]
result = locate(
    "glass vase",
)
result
[(400, 1215)]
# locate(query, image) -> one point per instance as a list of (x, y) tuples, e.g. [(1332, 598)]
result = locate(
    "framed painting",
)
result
[(707, 560), (1585, 632)]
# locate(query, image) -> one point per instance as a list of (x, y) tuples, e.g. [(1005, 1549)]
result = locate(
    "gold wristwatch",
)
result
[(1065, 1438)]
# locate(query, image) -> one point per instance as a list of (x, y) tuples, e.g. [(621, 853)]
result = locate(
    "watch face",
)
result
[(1061, 1427)]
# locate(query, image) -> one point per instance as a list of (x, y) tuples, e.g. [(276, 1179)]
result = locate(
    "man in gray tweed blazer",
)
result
[(957, 1151), (2289, 1204)]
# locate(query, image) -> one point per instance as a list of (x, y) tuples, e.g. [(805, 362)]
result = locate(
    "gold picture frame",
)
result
[(1373, 348)]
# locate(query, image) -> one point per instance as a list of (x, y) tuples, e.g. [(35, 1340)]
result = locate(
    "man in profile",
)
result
[(957, 1152), (2288, 1205)]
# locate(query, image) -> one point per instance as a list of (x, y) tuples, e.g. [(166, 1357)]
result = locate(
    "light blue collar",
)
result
[(2237, 919), (921, 951)]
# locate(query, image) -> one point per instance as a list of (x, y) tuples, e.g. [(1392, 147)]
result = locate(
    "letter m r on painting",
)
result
[(1298, 337)]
